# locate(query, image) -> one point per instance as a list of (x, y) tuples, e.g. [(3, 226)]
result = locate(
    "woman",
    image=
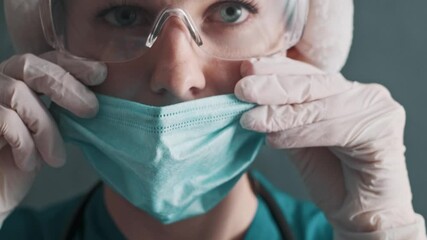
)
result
[(173, 146)]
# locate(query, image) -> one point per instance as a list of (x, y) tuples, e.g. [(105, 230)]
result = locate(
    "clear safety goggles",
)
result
[(122, 30)]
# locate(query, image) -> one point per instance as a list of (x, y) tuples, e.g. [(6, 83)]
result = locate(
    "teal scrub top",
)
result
[(305, 220)]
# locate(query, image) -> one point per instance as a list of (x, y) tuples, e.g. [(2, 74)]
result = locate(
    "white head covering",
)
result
[(328, 34), (326, 41)]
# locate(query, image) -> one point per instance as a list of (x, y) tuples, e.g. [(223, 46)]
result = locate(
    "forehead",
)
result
[(195, 8), (159, 4)]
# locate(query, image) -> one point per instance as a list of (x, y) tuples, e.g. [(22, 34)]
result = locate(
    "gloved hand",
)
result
[(28, 134), (345, 138)]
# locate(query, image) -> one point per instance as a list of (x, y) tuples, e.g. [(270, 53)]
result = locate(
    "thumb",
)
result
[(89, 72)]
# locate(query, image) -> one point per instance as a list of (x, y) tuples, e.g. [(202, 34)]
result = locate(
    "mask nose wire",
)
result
[(162, 19)]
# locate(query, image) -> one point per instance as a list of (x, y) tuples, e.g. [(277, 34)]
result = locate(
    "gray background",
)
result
[(390, 47)]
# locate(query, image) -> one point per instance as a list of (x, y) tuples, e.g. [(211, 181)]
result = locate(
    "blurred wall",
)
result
[(390, 47)]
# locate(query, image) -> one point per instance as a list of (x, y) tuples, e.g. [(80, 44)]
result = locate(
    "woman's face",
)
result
[(174, 69)]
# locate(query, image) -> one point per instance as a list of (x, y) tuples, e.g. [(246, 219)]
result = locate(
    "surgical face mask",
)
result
[(173, 162), (113, 31)]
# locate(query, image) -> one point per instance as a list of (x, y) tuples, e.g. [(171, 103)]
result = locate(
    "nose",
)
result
[(177, 70)]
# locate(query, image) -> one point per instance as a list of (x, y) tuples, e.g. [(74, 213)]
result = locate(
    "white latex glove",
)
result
[(345, 138), (28, 134)]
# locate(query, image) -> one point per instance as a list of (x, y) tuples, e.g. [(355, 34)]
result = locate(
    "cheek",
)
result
[(222, 76), (132, 81), (124, 81)]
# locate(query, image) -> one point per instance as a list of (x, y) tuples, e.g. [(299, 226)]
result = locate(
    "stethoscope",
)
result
[(279, 218)]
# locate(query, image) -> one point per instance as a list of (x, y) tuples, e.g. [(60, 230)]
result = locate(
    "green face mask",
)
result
[(173, 162)]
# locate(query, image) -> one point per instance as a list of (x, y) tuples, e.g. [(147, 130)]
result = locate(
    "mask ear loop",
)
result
[(164, 16)]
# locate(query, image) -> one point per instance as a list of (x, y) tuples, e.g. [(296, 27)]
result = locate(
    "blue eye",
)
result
[(232, 13), (124, 16)]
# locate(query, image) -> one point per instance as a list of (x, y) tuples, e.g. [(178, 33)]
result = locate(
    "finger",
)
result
[(320, 167), (359, 99), (31, 111), (276, 89), (274, 118), (279, 65), (50, 79), (16, 134), (375, 124), (90, 73), (15, 182)]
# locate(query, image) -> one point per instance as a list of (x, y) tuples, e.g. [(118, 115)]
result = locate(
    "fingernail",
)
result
[(244, 69), (247, 122), (92, 106), (242, 91), (99, 74), (238, 91)]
